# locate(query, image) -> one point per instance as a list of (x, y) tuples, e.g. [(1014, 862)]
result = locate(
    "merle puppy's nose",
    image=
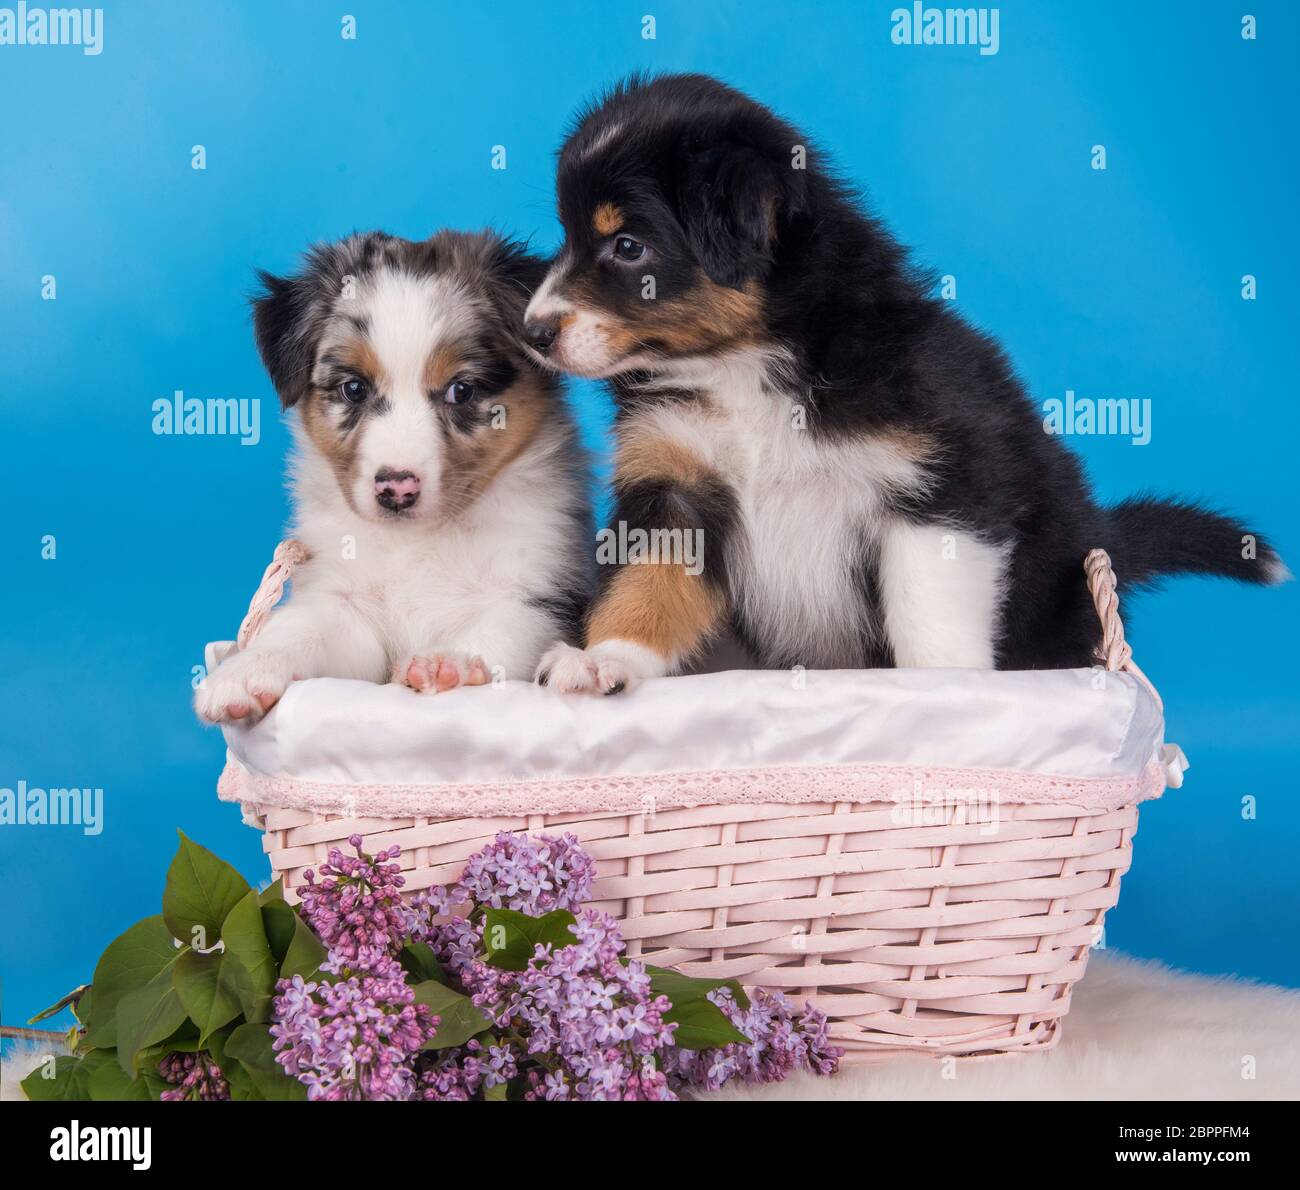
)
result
[(396, 490), (541, 335)]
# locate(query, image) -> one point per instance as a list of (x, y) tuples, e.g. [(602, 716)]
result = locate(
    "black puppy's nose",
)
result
[(541, 336)]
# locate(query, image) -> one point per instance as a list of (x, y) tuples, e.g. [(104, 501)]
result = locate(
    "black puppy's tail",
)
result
[(1149, 538)]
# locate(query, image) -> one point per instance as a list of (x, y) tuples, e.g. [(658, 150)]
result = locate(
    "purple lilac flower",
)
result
[(779, 1042), (533, 874), (580, 1022), (357, 1038), (500, 1066), (356, 908), (530, 874), (192, 1077), (589, 1020), (456, 1075)]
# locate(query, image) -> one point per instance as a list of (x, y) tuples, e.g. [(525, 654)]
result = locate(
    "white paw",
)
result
[(432, 672), (566, 669), (607, 668), (243, 687)]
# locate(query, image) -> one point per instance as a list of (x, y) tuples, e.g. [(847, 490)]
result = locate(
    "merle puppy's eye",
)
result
[(354, 390), (458, 392), (626, 248)]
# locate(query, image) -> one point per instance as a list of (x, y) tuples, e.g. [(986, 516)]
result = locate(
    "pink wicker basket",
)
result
[(932, 930)]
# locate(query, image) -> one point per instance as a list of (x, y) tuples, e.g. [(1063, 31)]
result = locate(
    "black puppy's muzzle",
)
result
[(541, 335)]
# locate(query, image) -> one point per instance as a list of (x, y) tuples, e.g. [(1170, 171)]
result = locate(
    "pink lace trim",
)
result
[(811, 783)]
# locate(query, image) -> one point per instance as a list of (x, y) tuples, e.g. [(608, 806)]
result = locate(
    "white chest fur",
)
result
[(411, 593), (811, 512), (471, 584)]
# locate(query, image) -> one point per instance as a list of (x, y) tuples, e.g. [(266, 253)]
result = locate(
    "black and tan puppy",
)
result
[(869, 481)]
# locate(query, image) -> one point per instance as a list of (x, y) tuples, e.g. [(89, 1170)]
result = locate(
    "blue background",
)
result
[(1123, 283)]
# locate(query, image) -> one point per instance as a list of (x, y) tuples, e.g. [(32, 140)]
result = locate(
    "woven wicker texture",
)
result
[(949, 928), (952, 936)]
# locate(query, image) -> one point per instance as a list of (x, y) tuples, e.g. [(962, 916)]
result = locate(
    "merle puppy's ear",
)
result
[(514, 275), (732, 201), (282, 326)]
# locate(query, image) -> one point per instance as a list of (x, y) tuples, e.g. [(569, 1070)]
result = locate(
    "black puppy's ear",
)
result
[(282, 327), (732, 201)]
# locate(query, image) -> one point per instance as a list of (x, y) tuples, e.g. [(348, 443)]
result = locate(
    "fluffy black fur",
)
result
[(709, 172)]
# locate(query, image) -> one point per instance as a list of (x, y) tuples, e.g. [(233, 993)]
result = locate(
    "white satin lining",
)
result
[(1074, 724)]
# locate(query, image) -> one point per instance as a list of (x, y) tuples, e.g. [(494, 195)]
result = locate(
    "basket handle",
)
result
[(289, 554), (1113, 651)]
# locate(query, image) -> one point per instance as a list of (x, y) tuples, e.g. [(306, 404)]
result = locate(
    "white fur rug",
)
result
[(20, 1059), (1136, 1030)]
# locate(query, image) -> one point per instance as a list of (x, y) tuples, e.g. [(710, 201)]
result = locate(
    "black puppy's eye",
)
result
[(354, 390), (458, 392), (626, 248)]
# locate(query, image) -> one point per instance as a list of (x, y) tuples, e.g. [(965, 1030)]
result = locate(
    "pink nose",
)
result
[(396, 490)]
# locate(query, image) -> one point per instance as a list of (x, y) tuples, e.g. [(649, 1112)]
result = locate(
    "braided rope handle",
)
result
[(288, 555), (1113, 651)]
